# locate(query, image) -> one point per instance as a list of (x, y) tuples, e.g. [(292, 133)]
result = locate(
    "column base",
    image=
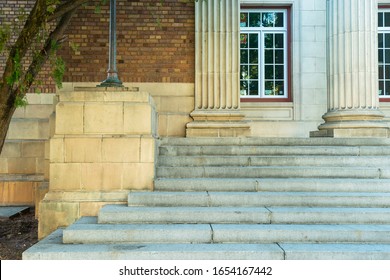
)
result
[(353, 124), (217, 124), (352, 133)]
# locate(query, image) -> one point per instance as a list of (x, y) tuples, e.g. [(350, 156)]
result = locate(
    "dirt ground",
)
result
[(17, 235)]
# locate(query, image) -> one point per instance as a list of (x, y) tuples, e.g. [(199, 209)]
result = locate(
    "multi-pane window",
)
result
[(384, 53), (264, 54)]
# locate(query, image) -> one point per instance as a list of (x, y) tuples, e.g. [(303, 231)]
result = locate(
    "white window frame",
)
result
[(383, 30), (261, 31)]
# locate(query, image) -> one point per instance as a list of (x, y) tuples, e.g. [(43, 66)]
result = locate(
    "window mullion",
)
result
[(261, 64)]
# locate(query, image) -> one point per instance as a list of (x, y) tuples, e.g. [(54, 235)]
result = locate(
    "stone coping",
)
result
[(106, 96)]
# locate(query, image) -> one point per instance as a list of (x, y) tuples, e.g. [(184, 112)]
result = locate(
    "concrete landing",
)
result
[(8, 212)]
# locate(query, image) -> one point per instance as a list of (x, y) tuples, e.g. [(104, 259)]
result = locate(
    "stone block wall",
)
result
[(23, 163), (104, 145)]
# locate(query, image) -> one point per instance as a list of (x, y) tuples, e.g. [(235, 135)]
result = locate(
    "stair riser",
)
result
[(262, 150), (270, 185), (222, 236), (264, 141), (273, 161), (274, 150), (256, 200), (202, 217), (258, 172), (136, 236), (245, 217), (270, 236)]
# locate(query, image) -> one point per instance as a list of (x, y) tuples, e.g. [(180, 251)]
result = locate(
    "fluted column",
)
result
[(217, 89), (353, 101), (217, 55)]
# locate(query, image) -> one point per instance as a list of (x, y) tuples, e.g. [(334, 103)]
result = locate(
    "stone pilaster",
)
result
[(353, 102), (217, 99), (104, 145)]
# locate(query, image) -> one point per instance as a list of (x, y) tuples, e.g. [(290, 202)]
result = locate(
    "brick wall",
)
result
[(155, 42), (9, 11)]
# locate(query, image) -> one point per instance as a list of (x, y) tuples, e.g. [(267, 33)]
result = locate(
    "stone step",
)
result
[(52, 248), (87, 232), (121, 214), (113, 214), (351, 161), (262, 150), (273, 172), (272, 184), (266, 141), (274, 150), (259, 199), (236, 233)]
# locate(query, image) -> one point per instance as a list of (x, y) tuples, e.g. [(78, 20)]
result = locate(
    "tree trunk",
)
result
[(6, 112), (8, 95)]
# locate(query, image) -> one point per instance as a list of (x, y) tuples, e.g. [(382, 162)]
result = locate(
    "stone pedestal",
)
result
[(217, 100), (353, 102), (103, 146)]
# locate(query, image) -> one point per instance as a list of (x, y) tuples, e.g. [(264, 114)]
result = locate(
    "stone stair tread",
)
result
[(336, 251), (264, 160), (136, 233), (125, 209), (273, 171), (300, 150), (272, 184), (231, 233), (269, 141), (250, 199), (263, 150), (52, 248), (122, 214), (265, 193), (91, 223), (190, 215)]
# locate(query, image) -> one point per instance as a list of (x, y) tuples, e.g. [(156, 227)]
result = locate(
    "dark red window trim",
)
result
[(289, 56)]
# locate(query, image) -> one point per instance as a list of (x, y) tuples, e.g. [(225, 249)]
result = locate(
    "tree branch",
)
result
[(32, 26), (38, 61), (66, 7)]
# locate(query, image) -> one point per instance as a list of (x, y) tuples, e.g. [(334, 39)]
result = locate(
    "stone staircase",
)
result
[(245, 198)]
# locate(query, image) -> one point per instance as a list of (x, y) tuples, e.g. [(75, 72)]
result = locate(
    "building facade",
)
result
[(260, 66), (229, 68)]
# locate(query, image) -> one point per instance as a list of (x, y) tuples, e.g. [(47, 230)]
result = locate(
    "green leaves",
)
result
[(16, 71), (58, 71), (21, 101), (5, 34), (52, 5), (74, 47), (98, 7)]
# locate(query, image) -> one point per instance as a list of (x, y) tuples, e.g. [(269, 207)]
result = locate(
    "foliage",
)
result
[(58, 71)]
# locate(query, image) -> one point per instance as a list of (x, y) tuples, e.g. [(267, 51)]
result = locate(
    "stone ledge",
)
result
[(106, 96), (85, 196)]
